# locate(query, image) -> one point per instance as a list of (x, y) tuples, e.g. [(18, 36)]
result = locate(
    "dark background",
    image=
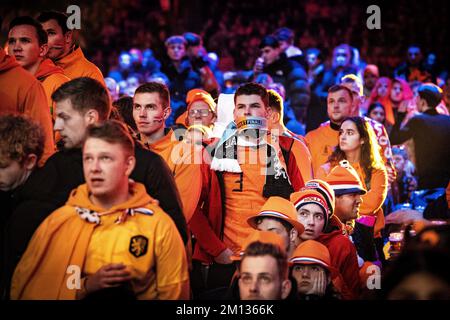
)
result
[(233, 28)]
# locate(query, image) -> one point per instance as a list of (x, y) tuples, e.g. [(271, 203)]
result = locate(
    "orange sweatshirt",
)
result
[(185, 167), (147, 242), (51, 78), (75, 65), (21, 93), (321, 143)]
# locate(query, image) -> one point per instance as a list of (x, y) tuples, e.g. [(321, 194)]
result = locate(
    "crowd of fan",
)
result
[(334, 201)]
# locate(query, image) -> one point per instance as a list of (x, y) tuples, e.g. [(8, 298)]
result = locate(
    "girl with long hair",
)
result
[(358, 145)]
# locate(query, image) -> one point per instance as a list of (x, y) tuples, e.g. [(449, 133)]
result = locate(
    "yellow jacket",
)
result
[(75, 65), (146, 241)]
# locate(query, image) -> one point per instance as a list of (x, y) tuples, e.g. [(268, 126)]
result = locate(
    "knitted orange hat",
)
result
[(326, 190), (279, 208), (344, 179), (307, 196), (192, 96)]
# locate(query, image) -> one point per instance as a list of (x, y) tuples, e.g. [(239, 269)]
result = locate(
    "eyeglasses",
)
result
[(201, 112)]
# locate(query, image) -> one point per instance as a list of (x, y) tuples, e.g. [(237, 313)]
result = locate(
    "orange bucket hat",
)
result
[(312, 252), (263, 237), (279, 208)]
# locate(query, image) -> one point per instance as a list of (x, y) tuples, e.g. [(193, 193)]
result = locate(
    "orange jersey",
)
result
[(243, 196), (21, 93), (147, 242), (75, 65)]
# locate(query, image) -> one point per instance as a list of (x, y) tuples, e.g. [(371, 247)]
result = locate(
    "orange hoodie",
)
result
[(75, 65), (145, 240), (21, 93), (51, 77), (180, 158)]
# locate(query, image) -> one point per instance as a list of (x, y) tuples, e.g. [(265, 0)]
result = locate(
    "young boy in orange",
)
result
[(62, 49), (110, 229), (27, 42), (196, 183), (315, 206)]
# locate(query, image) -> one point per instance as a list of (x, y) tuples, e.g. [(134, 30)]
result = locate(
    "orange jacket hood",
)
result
[(46, 68), (7, 62), (80, 198), (63, 240)]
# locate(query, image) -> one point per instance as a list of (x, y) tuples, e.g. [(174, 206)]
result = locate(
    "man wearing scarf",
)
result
[(252, 165)]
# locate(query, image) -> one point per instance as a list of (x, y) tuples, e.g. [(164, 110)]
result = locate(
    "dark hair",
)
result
[(29, 21), (431, 93), (20, 137), (253, 88), (60, 17), (257, 249), (275, 101), (373, 106), (370, 152), (112, 131), (85, 93), (269, 41), (125, 107), (331, 292), (339, 87), (161, 89)]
